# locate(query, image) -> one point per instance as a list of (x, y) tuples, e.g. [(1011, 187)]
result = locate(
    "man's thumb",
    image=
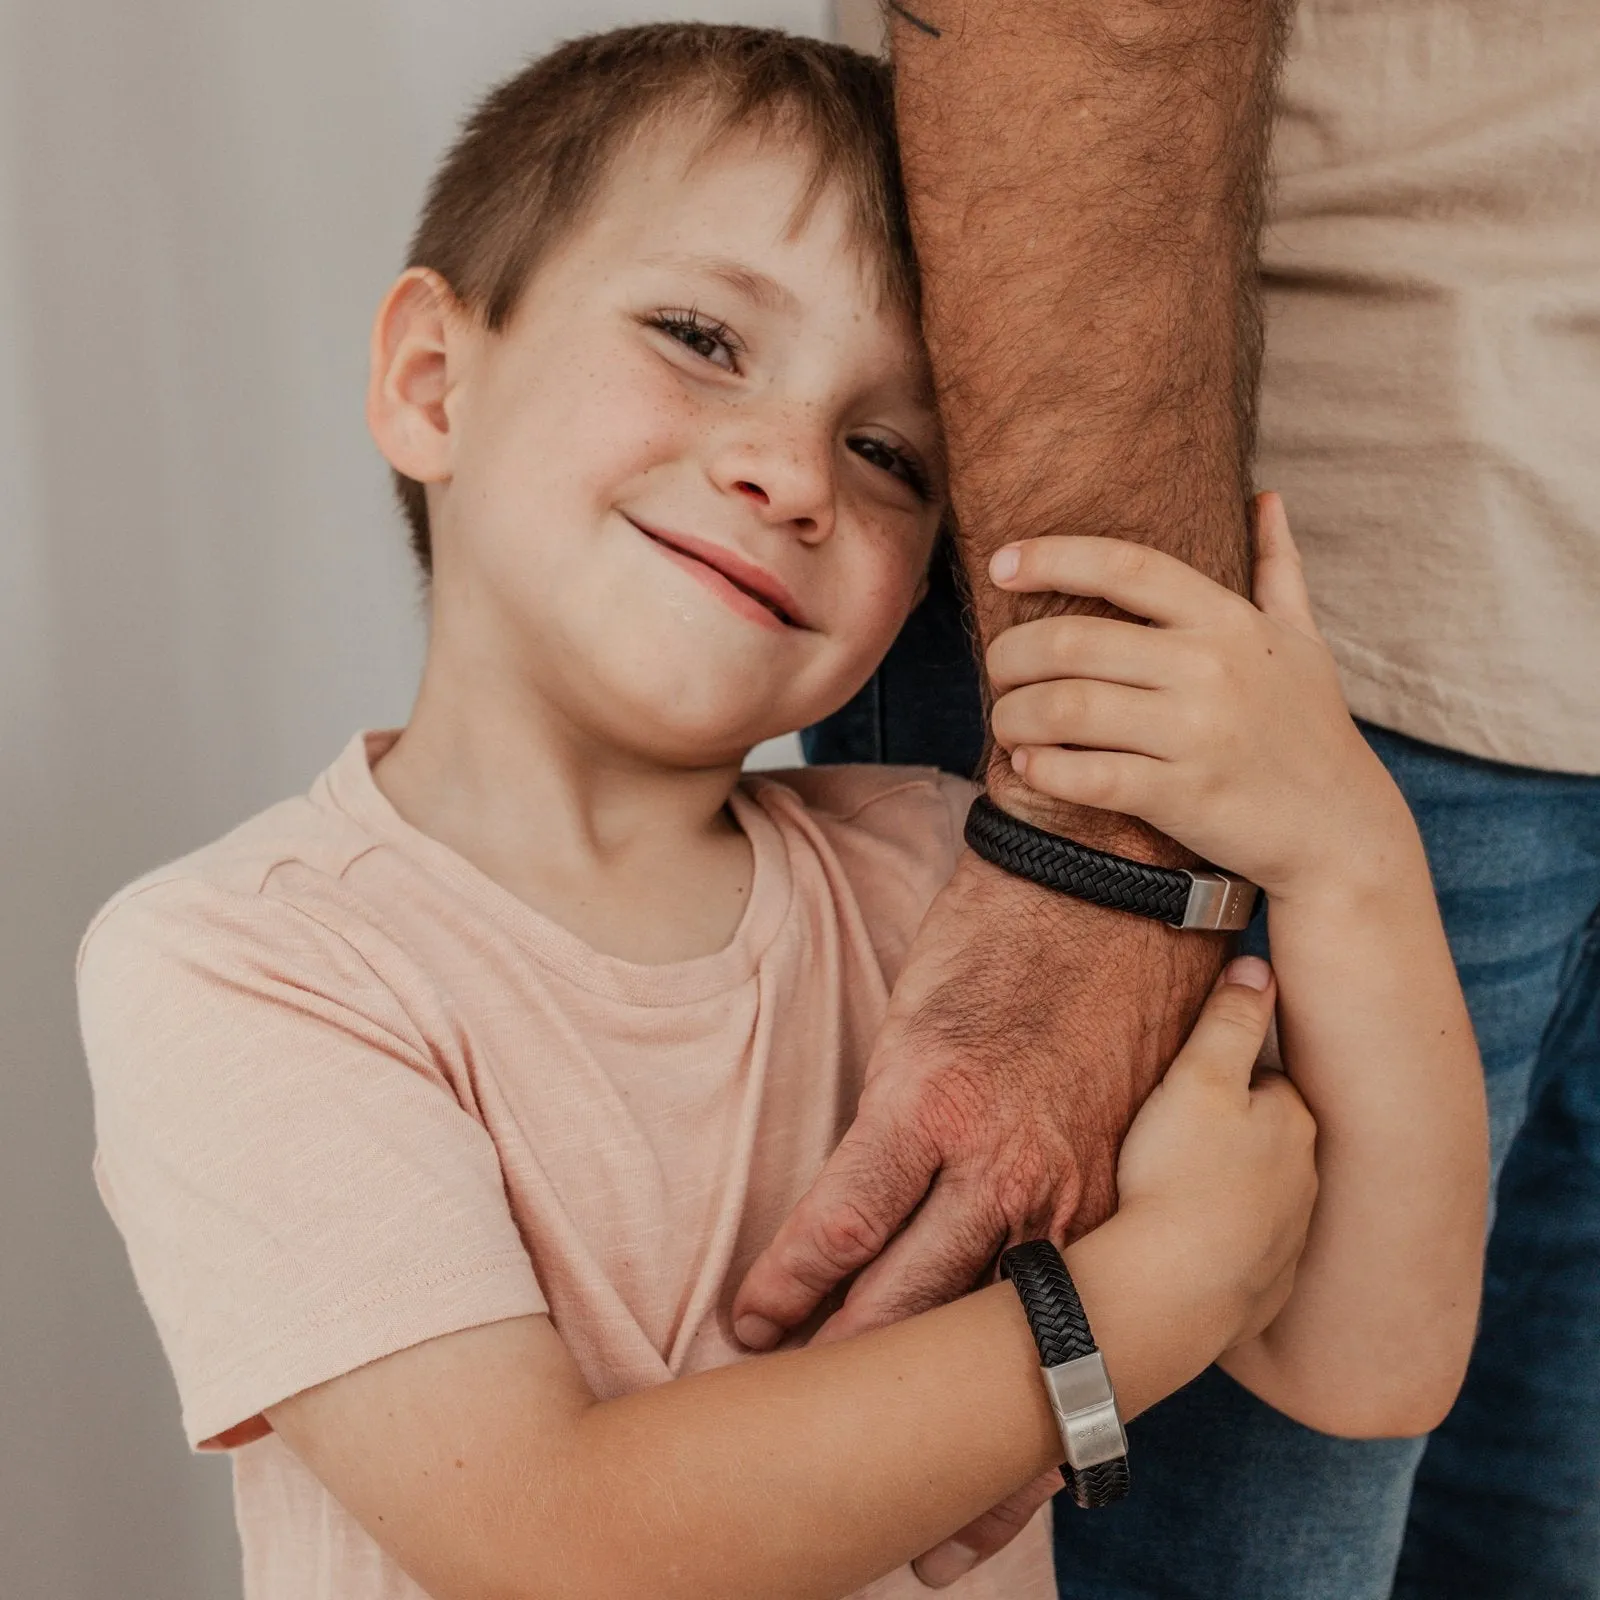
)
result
[(1227, 1036)]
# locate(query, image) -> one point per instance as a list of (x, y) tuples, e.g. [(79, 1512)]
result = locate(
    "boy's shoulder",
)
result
[(875, 797), (888, 838), (306, 832), (886, 815)]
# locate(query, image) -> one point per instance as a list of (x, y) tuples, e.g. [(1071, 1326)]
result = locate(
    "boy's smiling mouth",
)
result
[(743, 586)]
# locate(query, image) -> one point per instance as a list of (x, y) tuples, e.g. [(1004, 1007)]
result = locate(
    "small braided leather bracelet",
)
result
[(1074, 1373), (1209, 900)]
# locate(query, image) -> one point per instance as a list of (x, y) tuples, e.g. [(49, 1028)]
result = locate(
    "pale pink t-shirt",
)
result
[(351, 1095)]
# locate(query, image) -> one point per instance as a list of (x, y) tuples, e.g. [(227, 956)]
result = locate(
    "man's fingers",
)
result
[(1133, 577), (1280, 581), (1227, 1036), (937, 1258), (985, 1535), (867, 1189)]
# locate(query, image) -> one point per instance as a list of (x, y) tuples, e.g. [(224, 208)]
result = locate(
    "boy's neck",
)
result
[(640, 859)]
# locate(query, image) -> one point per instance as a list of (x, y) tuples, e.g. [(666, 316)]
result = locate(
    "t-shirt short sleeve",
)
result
[(300, 1188)]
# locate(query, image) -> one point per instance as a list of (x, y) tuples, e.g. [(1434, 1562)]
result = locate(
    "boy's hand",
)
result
[(1222, 723), (1221, 1156)]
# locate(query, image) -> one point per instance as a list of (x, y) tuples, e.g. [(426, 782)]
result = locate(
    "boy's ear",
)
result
[(416, 354)]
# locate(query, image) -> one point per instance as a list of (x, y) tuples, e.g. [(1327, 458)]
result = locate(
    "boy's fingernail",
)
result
[(1019, 762), (1004, 563), (1251, 972), (756, 1333), (944, 1564)]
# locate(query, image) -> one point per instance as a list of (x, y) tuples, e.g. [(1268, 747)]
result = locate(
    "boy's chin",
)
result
[(665, 725), (700, 749)]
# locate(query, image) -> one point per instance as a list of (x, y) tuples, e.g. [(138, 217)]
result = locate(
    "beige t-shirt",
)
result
[(1431, 402), (351, 1095)]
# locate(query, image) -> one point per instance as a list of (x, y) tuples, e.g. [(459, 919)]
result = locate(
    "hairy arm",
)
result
[(1085, 186), (1085, 181)]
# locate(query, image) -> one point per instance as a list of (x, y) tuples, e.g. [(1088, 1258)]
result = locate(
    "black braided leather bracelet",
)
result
[(1080, 1392), (1208, 900)]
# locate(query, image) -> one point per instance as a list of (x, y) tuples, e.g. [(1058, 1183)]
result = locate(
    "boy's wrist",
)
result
[(1158, 1320), (1378, 856), (1180, 1253)]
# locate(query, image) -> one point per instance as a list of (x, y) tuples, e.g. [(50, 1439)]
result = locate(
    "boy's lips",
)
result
[(773, 602)]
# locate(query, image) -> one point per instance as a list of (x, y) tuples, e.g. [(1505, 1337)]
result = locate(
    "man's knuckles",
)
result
[(954, 1116), (1025, 1188), (844, 1236)]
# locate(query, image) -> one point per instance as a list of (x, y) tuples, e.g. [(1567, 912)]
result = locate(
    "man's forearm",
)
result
[(1085, 180)]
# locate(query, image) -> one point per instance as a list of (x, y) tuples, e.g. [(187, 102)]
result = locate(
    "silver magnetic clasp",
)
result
[(1218, 902), (1086, 1411)]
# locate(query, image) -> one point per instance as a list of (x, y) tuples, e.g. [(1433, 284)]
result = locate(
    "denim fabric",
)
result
[(1231, 1500)]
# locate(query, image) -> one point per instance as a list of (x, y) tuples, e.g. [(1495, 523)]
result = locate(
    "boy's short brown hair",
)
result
[(534, 153)]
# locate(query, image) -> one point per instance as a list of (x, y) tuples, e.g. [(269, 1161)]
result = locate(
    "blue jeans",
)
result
[(1233, 1501)]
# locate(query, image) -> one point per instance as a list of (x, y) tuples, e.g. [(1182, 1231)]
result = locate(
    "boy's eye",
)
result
[(899, 463), (709, 339)]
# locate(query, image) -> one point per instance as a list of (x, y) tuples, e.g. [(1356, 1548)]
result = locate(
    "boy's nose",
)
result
[(801, 524), (799, 498), (781, 469)]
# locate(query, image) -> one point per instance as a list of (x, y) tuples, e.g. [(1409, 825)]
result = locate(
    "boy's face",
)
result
[(693, 486)]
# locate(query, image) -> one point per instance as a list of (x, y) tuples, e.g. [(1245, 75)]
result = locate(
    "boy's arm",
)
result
[(486, 1467), (1085, 181), (1374, 1031)]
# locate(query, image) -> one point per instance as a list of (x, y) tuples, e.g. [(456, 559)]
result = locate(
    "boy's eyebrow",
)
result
[(755, 286)]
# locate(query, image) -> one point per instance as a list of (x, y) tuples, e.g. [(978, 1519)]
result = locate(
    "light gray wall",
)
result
[(202, 592)]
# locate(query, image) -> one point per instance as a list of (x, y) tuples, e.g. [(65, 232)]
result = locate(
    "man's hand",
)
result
[(1023, 1037)]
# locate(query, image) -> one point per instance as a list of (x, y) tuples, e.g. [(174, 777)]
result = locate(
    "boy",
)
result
[(443, 1109)]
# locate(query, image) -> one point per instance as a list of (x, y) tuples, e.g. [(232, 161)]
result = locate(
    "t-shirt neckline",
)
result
[(351, 788)]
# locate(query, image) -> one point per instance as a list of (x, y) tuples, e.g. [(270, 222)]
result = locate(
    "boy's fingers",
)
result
[(1133, 577), (1280, 581), (986, 1535), (1226, 1039), (1085, 712), (1105, 780), (858, 1201), (1082, 647)]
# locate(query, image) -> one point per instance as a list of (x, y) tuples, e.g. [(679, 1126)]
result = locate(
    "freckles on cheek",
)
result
[(644, 419), (886, 593)]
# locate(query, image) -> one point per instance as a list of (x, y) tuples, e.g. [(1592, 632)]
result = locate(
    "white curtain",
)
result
[(203, 590)]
